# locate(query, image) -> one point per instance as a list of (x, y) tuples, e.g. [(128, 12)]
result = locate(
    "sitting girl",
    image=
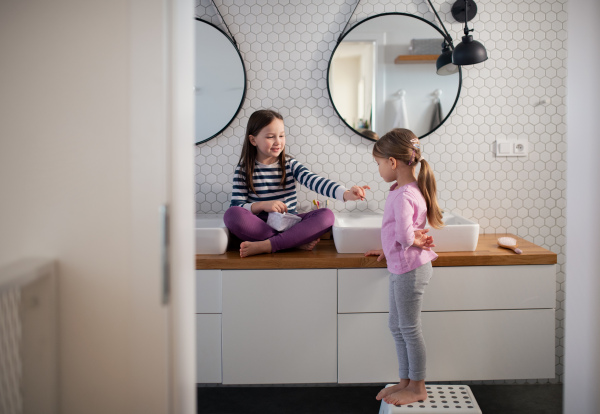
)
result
[(265, 181)]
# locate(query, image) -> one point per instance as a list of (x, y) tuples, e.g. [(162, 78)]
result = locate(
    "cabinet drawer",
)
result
[(491, 287), (455, 288), (208, 348), (208, 291), (461, 346), (279, 326), (363, 290)]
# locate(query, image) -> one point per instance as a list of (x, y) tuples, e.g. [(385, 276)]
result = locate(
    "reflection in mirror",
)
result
[(220, 81), (382, 75)]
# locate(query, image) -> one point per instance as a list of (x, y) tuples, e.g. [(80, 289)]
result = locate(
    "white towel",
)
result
[(400, 118)]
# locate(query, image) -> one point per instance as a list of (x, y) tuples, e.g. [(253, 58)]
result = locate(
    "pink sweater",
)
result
[(405, 211)]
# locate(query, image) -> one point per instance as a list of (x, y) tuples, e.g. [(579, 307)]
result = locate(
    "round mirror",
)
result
[(220, 81), (382, 75)]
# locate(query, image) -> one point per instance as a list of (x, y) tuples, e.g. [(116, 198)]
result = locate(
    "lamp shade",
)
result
[(469, 52), (444, 65)]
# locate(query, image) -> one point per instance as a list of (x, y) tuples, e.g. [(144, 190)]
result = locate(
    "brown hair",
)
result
[(258, 120), (403, 145)]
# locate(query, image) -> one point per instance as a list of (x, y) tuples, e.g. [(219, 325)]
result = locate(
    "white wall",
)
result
[(64, 179), (582, 347)]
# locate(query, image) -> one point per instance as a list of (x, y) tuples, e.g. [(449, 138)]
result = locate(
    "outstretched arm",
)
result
[(356, 193)]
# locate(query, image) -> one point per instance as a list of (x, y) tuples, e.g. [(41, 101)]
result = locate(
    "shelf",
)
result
[(415, 59)]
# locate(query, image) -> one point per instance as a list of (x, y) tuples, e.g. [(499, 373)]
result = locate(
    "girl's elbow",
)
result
[(406, 242)]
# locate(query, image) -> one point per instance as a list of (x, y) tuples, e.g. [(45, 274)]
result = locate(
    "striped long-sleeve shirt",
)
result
[(267, 180)]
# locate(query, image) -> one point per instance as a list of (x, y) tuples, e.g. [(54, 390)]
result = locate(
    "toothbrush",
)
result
[(509, 243)]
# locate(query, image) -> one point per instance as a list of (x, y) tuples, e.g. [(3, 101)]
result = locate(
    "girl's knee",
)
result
[(233, 215), (327, 217)]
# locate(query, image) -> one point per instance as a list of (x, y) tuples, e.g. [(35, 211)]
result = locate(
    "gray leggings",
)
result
[(406, 296)]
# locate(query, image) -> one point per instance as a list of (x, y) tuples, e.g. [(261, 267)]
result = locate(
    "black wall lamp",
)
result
[(469, 51)]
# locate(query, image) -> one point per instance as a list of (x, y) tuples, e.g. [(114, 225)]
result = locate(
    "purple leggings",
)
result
[(250, 227)]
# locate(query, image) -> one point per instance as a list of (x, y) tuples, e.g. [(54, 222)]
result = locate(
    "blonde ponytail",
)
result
[(428, 187)]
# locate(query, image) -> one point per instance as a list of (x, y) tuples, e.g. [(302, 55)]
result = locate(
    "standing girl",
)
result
[(265, 181), (406, 248)]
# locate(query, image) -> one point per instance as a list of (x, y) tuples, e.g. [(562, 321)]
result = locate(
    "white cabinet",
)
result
[(208, 348), (208, 326), (279, 326), (479, 323), (455, 288), (327, 325), (208, 291), (473, 345)]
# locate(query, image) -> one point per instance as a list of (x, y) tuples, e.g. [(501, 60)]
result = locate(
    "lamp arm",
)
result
[(447, 36), (467, 18)]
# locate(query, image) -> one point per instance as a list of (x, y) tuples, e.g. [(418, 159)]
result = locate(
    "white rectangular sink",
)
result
[(357, 232), (212, 236), (360, 232)]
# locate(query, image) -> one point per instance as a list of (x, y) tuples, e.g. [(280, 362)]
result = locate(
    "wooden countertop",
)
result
[(324, 256)]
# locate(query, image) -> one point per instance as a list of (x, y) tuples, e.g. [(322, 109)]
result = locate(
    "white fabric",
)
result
[(282, 221), (401, 117)]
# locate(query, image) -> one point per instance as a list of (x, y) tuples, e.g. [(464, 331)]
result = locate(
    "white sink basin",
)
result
[(459, 234), (360, 232), (211, 234), (356, 232)]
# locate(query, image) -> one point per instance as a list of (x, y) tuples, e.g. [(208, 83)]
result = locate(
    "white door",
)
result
[(162, 102), (96, 135)]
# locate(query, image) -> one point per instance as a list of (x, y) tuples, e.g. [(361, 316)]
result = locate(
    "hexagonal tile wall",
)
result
[(286, 47)]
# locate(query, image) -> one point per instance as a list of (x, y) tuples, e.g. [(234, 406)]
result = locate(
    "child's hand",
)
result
[(422, 240), (356, 193), (274, 206), (377, 252)]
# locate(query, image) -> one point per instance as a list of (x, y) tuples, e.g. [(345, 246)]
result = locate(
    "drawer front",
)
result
[(455, 288), (366, 352), (363, 290), (208, 349), (461, 346), (208, 291), (491, 287), (279, 326)]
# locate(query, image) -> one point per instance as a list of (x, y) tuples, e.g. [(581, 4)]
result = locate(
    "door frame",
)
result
[(162, 175)]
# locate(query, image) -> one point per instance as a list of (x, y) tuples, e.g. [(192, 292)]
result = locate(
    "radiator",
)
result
[(28, 338)]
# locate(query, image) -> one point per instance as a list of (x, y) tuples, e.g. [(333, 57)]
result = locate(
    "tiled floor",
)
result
[(492, 399)]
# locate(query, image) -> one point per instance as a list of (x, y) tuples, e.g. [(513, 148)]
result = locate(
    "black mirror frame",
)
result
[(245, 82), (373, 17)]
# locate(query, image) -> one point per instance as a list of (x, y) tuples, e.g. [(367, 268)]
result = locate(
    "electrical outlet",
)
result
[(512, 148), (521, 148)]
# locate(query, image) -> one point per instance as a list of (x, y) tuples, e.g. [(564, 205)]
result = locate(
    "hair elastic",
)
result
[(412, 157)]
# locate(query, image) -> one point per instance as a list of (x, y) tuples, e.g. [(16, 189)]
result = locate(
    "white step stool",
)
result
[(456, 399)]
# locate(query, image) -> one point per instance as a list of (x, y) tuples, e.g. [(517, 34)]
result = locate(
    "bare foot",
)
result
[(412, 393), (394, 388), (310, 245), (252, 248)]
